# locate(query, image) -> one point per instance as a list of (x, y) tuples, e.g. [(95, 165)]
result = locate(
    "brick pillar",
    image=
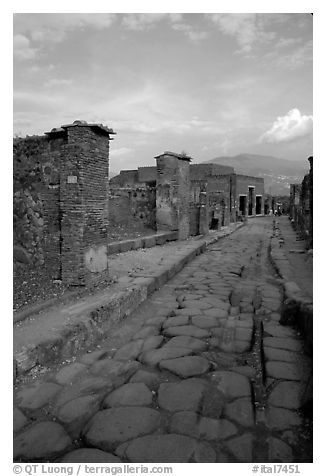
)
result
[(203, 214), (84, 173), (173, 193)]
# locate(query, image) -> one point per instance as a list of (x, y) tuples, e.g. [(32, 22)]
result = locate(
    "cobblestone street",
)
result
[(201, 372)]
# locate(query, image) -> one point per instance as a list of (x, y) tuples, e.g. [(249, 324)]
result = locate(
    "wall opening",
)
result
[(258, 205), (242, 204), (214, 223)]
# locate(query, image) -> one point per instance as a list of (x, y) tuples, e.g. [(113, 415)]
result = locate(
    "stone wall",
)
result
[(301, 206), (31, 171), (203, 171), (245, 183), (134, 207), (61, 201)]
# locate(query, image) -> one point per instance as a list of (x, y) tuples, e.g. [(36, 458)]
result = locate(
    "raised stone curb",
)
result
[(297, 307), (85, 322)]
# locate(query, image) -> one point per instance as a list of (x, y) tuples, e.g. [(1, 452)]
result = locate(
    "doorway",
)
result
[(242, 205), (258, 204)]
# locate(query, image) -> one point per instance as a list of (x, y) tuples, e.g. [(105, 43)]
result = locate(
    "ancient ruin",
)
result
[(78, 202)]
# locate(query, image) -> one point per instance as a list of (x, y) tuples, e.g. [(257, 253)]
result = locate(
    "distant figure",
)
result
[(270, 212)]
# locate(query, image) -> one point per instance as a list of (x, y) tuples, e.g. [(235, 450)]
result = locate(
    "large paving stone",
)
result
[(176, 321), (283, 370), (189, 311), (152, 342), (281, 418), (115, 371), (204, 321), (232, 384), (286, 343), (280, 354), (158, 320), (215, 302), (37, 395), (42, 441), (272, 304), (91, 357), (169, 449), (286, 395), (246, 316), (186, 366), (215, 430), (247, 324), (185, 423), (188, 342), (75, 414), (213, 402), (154, 357), (19, 420), (216, 312), (242, 333), (189, 330), (241, 448), (244, 370), (89, 455), (68, 373), (130, 394), (108, 428), (276, 330), (146, 331), (241, 412), (184, 395), (89, 386), (129, 351), (196, 304), (278, 451), (150, 379)]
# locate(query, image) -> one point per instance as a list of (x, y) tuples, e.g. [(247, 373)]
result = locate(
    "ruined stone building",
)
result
[(65, 205), (225, 195), (301, 206)]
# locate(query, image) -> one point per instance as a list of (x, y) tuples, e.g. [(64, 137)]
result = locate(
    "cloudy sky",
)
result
[(206, 84)]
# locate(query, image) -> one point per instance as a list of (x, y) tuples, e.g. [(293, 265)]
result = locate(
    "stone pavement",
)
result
[(57, 333), (201, 372)]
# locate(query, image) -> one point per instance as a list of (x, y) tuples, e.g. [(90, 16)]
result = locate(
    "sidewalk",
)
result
[(55, 334), (294, 264)]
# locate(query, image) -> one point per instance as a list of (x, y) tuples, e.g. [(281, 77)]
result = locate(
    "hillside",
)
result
[(277, 173)]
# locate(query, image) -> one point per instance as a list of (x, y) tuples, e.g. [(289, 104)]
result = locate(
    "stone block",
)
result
[(149, 241), (114, 248), (126, 245)]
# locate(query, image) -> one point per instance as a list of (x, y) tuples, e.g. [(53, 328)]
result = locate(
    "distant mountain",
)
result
[(277, 173)]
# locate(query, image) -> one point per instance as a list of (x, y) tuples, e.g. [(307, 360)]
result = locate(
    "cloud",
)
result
[(242, 26), (292, 60), (58, 82), (289, 127), (22, 48), (194, 35), (247, 28), (144, 21), (53, 27)]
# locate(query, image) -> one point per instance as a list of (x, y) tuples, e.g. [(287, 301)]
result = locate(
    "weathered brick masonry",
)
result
[(133, 206), (217, 195), (83, 150), (301, 206), (172, 193), (67, 174)]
